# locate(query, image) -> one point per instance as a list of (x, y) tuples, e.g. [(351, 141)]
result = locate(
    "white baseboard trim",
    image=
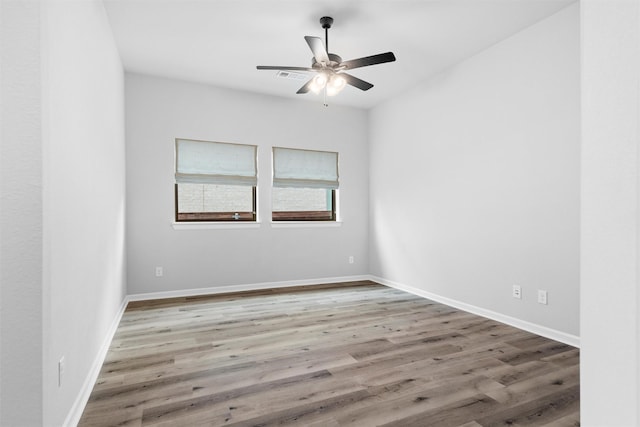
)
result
[(73, 418), (512, 321), (74, 415), (242, 288)]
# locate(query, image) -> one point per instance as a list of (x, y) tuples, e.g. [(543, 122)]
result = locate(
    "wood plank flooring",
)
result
[(354, 354)]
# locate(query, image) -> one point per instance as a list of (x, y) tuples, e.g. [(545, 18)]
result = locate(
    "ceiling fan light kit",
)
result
[(330, 69)]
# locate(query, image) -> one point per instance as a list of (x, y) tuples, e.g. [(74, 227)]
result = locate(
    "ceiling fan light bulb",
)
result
[(338, 81), (318, 83), (335, 85)]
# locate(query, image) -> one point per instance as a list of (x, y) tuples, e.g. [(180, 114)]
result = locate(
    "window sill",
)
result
[(210, 225), (305, 224)]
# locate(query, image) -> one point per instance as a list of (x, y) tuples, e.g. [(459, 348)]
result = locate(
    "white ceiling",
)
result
[(220, 42)]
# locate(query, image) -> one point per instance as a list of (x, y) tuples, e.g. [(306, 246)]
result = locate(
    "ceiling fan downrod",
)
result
[(326, 22)]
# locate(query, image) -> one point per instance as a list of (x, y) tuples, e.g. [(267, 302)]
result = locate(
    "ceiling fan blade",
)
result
[(356, 82), (283, 68), (368, 60), (306, 88), (318, 49)]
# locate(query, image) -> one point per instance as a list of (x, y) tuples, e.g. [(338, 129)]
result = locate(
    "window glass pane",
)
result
[(301, 199), (214, 198)]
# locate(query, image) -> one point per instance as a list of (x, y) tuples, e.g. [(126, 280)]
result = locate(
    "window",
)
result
[(304, 185), (215, 181)]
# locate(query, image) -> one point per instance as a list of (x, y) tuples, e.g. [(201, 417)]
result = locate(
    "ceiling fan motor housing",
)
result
[(334, 61)]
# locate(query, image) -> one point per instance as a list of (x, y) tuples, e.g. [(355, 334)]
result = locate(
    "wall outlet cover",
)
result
[(517, 291), (542, 296), (60, 370)]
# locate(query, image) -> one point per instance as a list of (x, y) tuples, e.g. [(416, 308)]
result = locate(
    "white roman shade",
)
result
[(203, 162), (305, 168)]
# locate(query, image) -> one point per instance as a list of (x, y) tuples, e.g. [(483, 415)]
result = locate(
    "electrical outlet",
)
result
[(542, 297), (517, 291), (159, 272), (351, 259), (60, 371)]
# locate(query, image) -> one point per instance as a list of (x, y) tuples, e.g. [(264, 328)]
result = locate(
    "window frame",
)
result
[(279, 216), (216, 216), (306, 216), (221, 178)]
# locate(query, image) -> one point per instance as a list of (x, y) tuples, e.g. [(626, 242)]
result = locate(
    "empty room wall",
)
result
[(84, 196), (63, 194), (159, 110), (20, 215), (475, 179), (610, 219)]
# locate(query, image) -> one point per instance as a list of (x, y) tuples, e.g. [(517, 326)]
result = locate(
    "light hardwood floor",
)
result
[(355, 354)]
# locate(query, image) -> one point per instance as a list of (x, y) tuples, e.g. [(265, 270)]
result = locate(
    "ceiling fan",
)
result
[(330, 68)]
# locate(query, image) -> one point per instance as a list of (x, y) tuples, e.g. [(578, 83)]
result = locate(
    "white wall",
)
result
[(610, 296), (475, 179), (160, 110), (20, 215), (63, 197), (84, 195)]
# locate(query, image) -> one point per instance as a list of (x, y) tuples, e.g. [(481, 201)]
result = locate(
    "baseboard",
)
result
[(73, 418), (242, 288), (83, 397), (512, 321), (74, 415)]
